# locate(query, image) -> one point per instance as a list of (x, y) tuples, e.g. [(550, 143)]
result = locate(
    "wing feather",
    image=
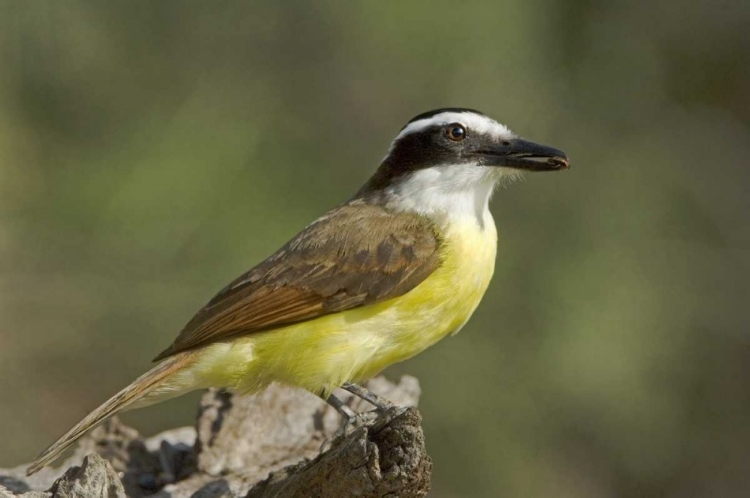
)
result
[(355, 255)]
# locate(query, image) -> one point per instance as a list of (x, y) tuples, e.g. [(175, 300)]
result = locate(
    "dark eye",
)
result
[(456, 132)]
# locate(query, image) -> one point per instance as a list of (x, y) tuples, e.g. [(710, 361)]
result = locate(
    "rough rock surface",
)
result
[(265, 445)]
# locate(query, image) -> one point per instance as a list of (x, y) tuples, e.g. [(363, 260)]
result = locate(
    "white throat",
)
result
[(447, 193)]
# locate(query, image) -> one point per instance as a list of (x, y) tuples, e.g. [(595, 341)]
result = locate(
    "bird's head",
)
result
[(450, 159)]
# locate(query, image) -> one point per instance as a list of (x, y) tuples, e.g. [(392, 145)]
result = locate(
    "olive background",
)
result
[(152, 151)]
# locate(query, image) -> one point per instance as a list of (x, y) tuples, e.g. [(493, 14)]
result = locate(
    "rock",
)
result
[(95, 478), (8, 493), (268, 444), (386, 458)]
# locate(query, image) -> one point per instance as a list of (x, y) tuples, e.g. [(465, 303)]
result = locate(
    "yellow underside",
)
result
[(321, 354)]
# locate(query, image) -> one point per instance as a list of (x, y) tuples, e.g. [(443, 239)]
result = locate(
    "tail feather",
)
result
[(152, 382)]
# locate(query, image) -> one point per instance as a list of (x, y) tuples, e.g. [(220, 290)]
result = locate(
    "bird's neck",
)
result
[(443, 194)]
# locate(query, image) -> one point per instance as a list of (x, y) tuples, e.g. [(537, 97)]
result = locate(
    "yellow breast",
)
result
[(445, 301), (321, 354)]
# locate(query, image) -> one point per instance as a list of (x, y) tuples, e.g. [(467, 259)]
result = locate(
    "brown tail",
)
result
[(149, 388)]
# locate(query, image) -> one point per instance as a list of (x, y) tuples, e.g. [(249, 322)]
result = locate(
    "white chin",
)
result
[(452, 190), (506, 176)]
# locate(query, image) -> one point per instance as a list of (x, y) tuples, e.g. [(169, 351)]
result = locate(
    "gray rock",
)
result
[(268, 444), (385, 458), (95, 478)]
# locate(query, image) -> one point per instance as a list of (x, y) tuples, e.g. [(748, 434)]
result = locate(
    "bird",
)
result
[(379, 278)]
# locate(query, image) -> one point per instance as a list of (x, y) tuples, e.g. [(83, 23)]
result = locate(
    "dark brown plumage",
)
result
[(356, 254)]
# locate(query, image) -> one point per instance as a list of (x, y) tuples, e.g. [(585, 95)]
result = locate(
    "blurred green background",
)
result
[(152, 151)]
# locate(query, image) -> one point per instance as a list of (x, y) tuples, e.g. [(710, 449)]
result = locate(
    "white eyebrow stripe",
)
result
[(472, 121)]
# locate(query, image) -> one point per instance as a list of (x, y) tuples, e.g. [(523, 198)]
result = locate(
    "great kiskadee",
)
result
[(374, 281)]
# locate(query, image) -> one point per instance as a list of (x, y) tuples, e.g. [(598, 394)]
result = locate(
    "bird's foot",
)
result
[(355, 422), (351, 419)]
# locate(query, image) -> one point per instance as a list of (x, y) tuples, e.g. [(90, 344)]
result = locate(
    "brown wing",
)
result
[(355, 255)]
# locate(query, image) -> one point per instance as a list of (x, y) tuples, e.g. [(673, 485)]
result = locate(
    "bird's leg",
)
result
[(342, 408), (350, 418), (378, 402)]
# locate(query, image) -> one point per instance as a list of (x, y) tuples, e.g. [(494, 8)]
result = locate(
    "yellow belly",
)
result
[(319, 355)]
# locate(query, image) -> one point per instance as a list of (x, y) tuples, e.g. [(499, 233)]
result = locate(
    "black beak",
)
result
[(522, 154)]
